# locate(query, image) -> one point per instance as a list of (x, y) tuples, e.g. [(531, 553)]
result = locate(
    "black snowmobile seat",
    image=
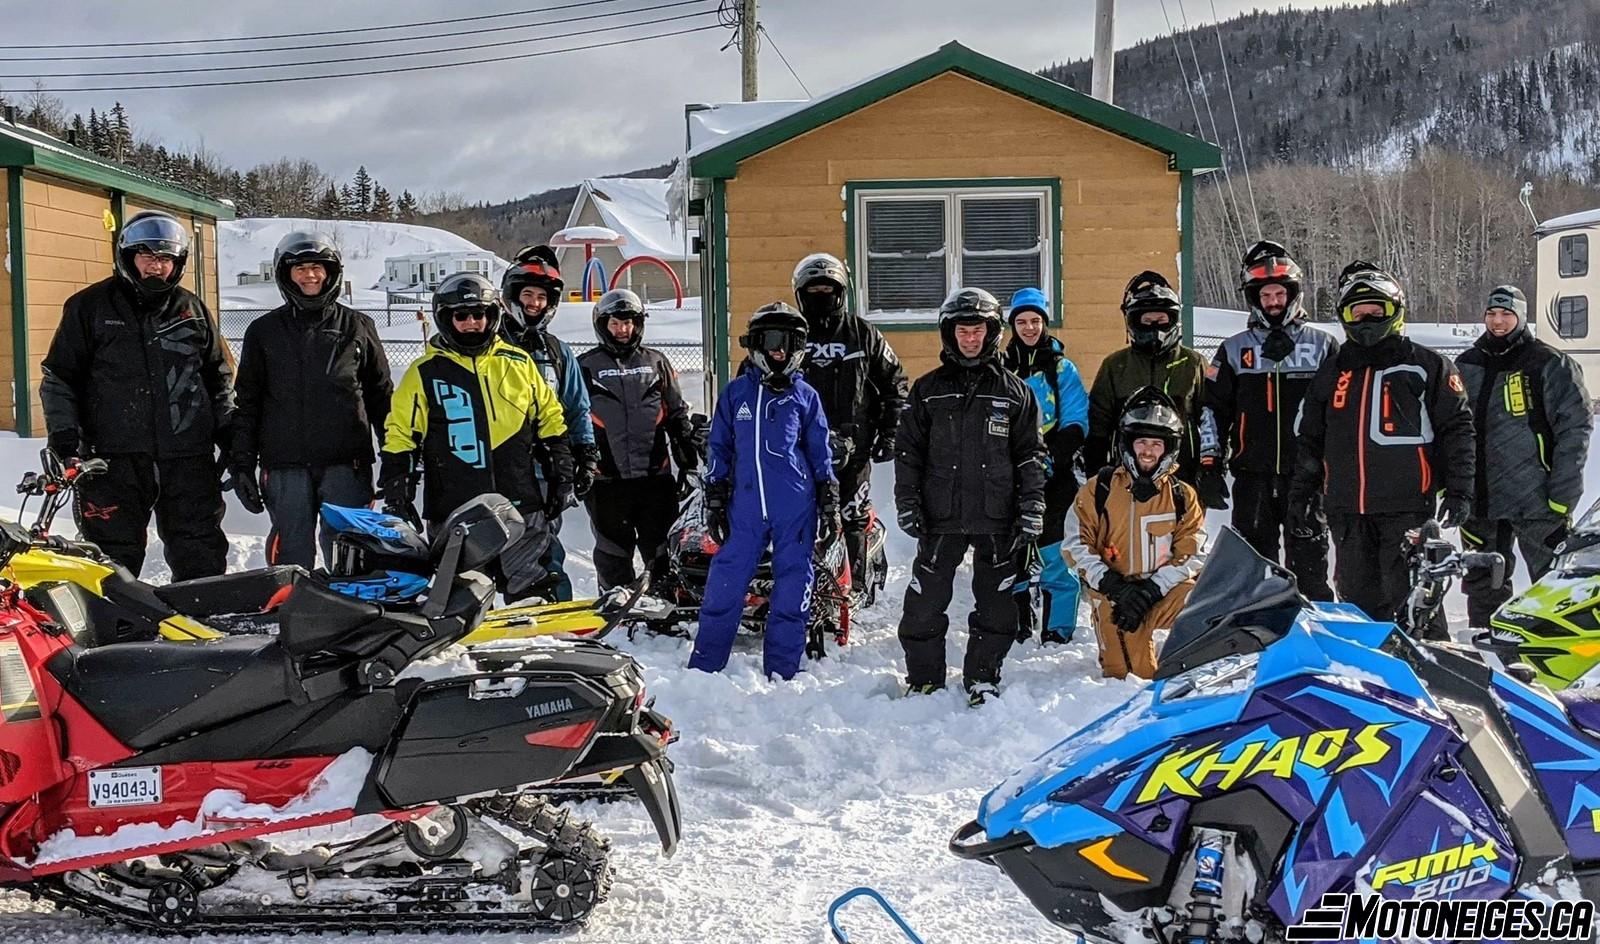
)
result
[(317, 618), (248, 591), (1583, 706), (149, 693)]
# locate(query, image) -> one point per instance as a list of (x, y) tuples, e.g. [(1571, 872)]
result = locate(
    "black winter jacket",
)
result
[(968, 452), (636, 405), (860, 380), (1532, 418), (120, 379), (313, 389), (1383, 428), (1252, 401)]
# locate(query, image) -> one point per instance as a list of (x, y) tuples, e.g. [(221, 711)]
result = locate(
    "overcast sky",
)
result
[(505, 129)]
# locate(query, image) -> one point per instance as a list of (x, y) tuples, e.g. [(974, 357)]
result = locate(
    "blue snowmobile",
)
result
[(1287, 750)]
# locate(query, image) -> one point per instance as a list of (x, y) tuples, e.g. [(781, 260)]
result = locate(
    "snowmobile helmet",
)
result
[(1509, 298), (1151, 292), (1268, 263), (1363, 283), (776, 327), (159, 234), (297, 249), (461, 294), (534, 266), (1149, 414), (969, 306), (623, 305), (821, 309)]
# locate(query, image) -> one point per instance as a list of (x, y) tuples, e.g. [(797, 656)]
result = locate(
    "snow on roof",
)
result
[(1571, 221), (636, 207), (710, 125)]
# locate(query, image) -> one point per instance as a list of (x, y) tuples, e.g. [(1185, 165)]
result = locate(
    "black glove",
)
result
[(688, 444), (1029, 526), (247, 487), (559, 496), (883, 445), (1113, 586), (588, 469), (1563, 528), (842, 448), (66, 445), (1454, 510), (1301, 515), (910, 519), (1065, 444), (1139, 598), (398, 486), (718, 496), (1212, 485), (828, 524)]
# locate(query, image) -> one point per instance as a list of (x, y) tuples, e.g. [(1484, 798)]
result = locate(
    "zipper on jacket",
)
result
[(761, 480)]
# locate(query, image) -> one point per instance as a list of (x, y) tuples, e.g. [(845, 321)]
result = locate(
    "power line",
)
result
[(1227, 80), (337, 32), (372, 72), (345, 43), (785, 59), (350, 59)]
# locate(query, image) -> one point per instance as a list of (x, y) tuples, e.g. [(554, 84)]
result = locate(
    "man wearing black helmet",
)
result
[(1136, 534), (313, 389), (862, 385), (969, 472), (531, 291), (1383, 428), (1155, 358), (1531, 413), (1253, 391), (473, 416), (642, 426), (769, 482), (137, 374)]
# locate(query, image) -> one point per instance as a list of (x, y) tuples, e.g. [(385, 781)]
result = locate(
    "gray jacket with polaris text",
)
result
[(636, 405)]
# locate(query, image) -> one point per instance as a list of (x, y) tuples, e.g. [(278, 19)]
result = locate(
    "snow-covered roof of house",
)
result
[(1571, 221), (710, 125), (637, 208)]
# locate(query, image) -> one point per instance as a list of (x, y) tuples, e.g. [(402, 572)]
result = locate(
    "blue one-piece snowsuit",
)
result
[(774, 446)]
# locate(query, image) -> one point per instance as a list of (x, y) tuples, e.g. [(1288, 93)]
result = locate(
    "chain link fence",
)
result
[(1207, 345), (402, 335)]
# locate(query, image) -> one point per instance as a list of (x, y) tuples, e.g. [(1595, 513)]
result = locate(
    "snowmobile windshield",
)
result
[(1241, 603)]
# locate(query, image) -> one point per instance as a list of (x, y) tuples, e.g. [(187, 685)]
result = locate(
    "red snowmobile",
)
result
[(160, 784)]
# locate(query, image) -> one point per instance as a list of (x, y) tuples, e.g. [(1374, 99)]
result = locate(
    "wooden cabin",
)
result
[(62, 206), (951, 170)]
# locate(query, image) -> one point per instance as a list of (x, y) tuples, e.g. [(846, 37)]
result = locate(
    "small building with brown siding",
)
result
[(61, 206), (954, 169)]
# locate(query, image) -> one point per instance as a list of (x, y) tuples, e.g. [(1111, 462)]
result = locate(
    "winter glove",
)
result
[(1065, 444), (883, 445), (248, 488), (718, 496), (910, 519), (1111, 586), (1454, 510), (842, 448), (1559, 534), (1137, 601), (1029, 527), (1212, 485), (559, 496), (588, 469), (1301, 515), (66, 445), (398, 487), (828, 524), (688, 443)]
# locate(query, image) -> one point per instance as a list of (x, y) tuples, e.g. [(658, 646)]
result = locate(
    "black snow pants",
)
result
[(991, 627), (113, 510), (1260, 509), (1371, 570), (855, 497), (628, 515), (294, 497), (1533, 535)]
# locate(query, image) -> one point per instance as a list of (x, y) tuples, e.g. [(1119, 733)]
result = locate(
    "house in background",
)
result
[(62, 206), (954, 169), (639, 209), (422, 272)]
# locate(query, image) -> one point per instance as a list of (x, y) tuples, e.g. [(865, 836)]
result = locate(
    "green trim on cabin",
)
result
[(1184, 152), (25, 147), (19, 304), (1186, 275), (853, 187), (721, 317)]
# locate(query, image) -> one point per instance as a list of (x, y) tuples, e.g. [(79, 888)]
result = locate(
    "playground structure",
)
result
[(591, 236)]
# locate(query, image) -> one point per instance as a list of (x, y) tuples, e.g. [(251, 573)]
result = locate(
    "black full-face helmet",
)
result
[(159, 234), (299, 248), (534, 266), (623, 305), (969, 306), (459, 294), (820, 285), (1149, 414), (773, 328), (1363, 283), (1151, 292), (1268, 263)]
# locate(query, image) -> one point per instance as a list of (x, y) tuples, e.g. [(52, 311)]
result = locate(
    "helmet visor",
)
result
[(159, 235), (1268, 270), (1348, 315)]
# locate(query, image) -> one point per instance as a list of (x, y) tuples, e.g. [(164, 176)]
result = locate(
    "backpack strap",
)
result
[(554, 351), (1102, 492)]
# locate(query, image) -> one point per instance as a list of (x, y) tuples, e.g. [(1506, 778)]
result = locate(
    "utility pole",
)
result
[(747, 50), (1105, 50)]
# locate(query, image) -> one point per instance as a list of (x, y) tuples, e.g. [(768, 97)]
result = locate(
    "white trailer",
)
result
[(1569, 288)]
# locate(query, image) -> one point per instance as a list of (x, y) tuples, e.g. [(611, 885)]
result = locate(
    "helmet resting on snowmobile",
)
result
[(159, 234), (623, 305), (1150, 293), (534, 267), (1268, 263), (1364, 283), (461, 300), (969, 306), (302, 249), (820, 282), (776, 340), (1149, 414)]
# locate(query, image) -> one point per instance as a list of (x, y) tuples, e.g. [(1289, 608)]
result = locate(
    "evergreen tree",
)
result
[(347, 201), (330, 207), (363, 193), (120, 144), (406, 209), (382, 205)]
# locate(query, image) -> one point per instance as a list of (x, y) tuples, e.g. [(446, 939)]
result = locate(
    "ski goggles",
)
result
[(1348, 315), (773, 339)]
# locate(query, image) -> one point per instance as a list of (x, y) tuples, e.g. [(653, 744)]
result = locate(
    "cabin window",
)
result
[(1572, 256), (913, 246), (1572, 316)]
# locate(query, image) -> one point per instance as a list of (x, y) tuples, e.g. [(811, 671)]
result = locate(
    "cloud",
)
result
[(504, 130)]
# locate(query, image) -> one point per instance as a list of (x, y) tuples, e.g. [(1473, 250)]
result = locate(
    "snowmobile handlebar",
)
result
[(962, 848)]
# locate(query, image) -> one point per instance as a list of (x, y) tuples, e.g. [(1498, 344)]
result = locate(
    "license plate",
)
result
[(124, 786)]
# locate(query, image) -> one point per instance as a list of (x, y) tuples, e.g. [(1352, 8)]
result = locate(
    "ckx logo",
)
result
[(1183, 772)]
